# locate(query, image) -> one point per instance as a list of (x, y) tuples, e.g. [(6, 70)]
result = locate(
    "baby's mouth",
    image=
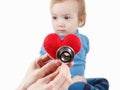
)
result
[(61, 30)]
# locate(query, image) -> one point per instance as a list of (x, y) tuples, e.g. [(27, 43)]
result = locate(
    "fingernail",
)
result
[(57, 62)]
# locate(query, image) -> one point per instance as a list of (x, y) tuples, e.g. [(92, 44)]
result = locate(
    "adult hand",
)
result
[(34, 71), (58, 80), (42, 76)]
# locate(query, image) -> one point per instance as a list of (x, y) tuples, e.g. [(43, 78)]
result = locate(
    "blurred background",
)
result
[(25, 23)]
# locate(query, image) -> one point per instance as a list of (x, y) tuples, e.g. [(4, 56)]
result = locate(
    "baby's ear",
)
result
[(82, 21)]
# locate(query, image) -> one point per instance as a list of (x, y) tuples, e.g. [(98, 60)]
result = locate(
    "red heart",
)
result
[(53, 42)]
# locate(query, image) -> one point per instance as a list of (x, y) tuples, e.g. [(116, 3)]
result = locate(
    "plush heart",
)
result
[(53, 42)]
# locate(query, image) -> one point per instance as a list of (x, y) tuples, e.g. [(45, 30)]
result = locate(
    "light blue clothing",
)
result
[(80, 58)]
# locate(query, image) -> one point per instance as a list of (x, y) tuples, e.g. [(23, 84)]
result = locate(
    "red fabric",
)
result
[(52, 42)]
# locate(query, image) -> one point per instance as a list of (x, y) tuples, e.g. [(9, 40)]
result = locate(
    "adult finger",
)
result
[(49, 77), (47, 69), (61, 77), (70, 64), (39, 62), (42, 60)]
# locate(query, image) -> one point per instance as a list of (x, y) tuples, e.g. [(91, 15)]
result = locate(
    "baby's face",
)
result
[(65, 17)]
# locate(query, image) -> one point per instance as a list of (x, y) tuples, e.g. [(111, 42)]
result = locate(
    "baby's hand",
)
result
[(79, 79)]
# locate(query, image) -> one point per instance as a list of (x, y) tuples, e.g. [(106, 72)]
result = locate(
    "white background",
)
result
[(25, 23)]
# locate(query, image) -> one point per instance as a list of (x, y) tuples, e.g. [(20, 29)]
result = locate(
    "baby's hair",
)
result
[(81, 7)]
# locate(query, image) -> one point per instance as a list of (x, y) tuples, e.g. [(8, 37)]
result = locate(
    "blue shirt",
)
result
[(80, 58)]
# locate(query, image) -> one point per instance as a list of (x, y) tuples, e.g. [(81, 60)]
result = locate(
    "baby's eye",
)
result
[(54, 17), (66, 17)]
